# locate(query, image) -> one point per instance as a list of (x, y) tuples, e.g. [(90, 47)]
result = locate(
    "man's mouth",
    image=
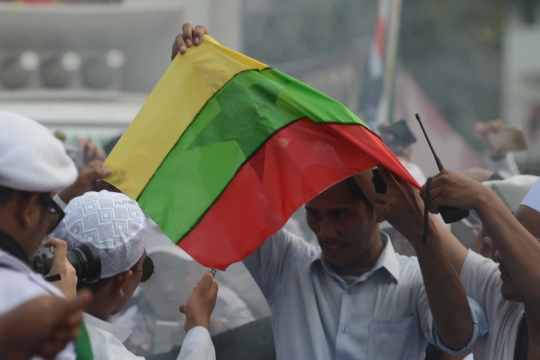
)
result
[(331, 248)]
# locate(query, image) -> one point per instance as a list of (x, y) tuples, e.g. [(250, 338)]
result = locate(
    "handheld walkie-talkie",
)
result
[(448, 213)]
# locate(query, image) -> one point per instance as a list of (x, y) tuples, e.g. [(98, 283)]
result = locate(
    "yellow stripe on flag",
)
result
[(189, 82)]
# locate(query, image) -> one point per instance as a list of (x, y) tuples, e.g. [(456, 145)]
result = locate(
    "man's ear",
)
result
[(27, 209), (119, 281)]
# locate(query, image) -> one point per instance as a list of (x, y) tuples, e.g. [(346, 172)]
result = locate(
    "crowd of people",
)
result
[(352, 296)]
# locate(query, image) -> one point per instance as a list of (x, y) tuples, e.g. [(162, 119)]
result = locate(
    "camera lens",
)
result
[(84, 258)]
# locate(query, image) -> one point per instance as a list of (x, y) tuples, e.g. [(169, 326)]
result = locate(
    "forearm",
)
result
[(518, 247), (453, 247), (445, 293)]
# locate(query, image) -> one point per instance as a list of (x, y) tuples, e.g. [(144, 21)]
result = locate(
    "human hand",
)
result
[(87, 181), (188, 38), (482, 130), (201, 303), (450, 188), (91, 151), (61, 266), (401, 206), (41, 327)]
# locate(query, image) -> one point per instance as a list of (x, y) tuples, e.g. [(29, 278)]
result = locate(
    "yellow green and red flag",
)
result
[(226, 149)]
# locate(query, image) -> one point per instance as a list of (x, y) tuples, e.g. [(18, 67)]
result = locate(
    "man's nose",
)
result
[(327, 230)]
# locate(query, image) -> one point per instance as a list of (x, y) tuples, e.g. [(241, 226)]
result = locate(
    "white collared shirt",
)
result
[(316, 315), (19, 284), (481, 279), (107, 342)]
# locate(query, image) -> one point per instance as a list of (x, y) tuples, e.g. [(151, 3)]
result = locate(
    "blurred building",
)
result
[(86, 67)]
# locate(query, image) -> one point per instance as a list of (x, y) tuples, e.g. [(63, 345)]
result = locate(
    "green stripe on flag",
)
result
[(232, 126), (83, 345)]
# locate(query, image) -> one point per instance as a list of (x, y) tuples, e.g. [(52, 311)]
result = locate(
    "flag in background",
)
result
[(376, 97), (226, 149)]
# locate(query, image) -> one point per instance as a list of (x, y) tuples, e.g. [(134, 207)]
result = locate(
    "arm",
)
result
[(42, 326), (402, 206), (201, 303), (271, 264), (518, 247)]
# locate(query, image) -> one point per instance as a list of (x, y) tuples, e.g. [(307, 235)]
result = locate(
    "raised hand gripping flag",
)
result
[(225, 149)]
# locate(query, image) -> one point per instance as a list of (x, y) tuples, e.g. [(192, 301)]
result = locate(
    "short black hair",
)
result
[(5, 194), (357, 193), (355, 189)]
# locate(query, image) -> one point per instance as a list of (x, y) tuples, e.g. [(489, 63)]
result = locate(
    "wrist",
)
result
[(192, 321), (66, 195), (416, 238)]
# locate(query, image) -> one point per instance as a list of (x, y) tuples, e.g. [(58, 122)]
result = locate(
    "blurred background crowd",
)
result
[(84, 69)]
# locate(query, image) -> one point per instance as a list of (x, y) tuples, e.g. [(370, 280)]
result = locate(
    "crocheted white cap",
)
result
[(112, 222)]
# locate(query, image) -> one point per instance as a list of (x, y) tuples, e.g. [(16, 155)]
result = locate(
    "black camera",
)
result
[(84, 258)]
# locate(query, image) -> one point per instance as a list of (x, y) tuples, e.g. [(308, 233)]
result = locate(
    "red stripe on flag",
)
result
[(294, 166)]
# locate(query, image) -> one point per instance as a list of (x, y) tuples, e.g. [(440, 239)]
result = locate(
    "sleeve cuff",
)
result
[(59, 202), (198, 334), (480, 328)]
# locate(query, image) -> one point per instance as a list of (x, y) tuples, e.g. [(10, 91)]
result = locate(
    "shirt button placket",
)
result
[(344, 329)]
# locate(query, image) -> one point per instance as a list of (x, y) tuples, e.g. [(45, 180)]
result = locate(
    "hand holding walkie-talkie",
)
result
[(448, 213)]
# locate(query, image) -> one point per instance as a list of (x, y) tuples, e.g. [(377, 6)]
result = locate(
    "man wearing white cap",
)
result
[(115, 225), (33, 164), (508, 292)]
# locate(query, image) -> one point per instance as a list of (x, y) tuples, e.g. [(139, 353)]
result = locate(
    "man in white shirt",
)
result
[(508, 292), (354, 297), (33, 164), (115, 225)]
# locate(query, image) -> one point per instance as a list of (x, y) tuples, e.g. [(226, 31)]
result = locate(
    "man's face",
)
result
[(346, 227), (530, 219), (38, 225), (131, 284), (508, 289)]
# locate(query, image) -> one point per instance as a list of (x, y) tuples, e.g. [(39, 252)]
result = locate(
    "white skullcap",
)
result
[(112, 222), (512, 190), (31, 158), (532, 199)]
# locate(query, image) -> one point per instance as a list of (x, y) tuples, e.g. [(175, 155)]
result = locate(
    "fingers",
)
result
[(214, 291), (188, 38), (198, 34), (387, 175), (179, 46), (206, 281), (59, 245), (187, 34), (93, 173)]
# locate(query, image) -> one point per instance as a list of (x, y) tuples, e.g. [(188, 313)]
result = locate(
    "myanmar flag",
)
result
[(226, 149)]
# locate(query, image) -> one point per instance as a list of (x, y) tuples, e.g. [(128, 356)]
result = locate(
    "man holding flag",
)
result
[(241, 146)]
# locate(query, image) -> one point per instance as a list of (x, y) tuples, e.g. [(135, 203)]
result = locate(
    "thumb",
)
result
[(207, 280)]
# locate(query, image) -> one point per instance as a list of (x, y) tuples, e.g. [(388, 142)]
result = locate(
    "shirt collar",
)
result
[(387, 260), (119, 332)]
